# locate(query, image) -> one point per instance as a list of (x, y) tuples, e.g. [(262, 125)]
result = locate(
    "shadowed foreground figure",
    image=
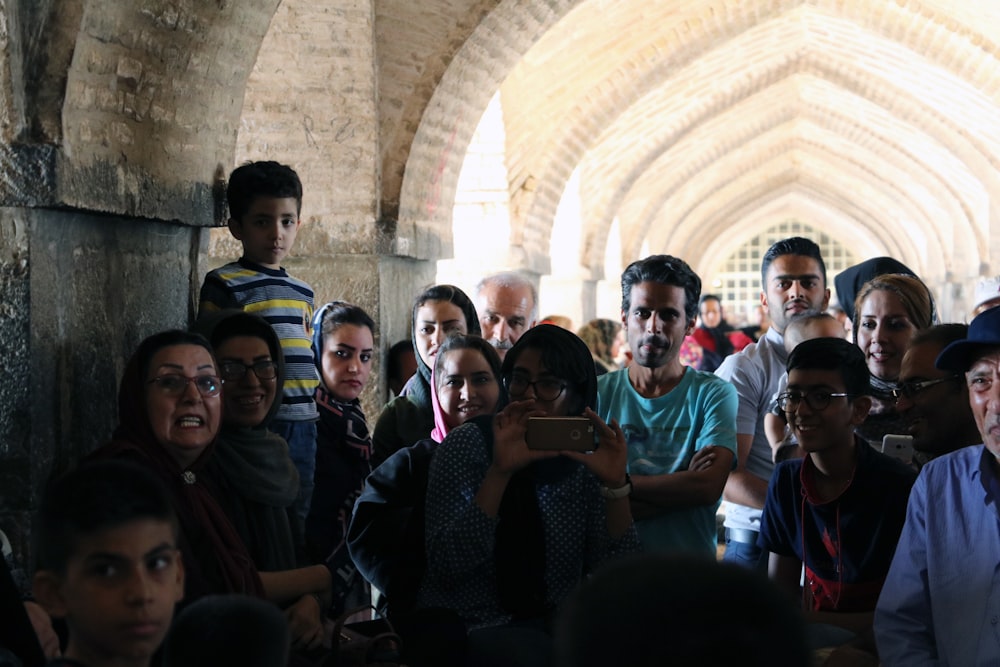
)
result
[(654, 609), (228, 630)]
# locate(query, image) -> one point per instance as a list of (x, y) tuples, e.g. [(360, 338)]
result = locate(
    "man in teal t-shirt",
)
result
[(680, 423)]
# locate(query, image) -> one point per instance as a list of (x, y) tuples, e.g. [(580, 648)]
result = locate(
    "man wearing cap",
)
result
[(941, 600)]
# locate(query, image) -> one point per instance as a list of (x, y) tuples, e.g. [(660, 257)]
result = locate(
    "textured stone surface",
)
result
[(97, 287)]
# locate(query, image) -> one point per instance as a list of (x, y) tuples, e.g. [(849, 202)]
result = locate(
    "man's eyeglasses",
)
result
[(816, 400), (546, 389), (175, 384), (911, 389), (234, 371)]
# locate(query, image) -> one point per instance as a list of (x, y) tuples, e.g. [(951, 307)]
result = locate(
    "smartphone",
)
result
[(576, 433), (898, 447)]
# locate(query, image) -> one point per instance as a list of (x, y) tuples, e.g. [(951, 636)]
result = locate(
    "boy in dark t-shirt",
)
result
[(838, 512)]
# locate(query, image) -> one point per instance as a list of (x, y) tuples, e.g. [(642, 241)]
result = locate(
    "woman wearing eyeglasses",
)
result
[(169, 411), (252, 474), (511, 531)]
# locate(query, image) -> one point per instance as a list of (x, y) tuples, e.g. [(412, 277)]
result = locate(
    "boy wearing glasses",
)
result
[(836, 513), (265, 201)]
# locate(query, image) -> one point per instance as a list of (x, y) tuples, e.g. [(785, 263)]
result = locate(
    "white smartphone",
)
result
[(576, 433), (898, 447)]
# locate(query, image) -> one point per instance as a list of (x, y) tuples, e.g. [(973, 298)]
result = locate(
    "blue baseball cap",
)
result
[(984, 331)]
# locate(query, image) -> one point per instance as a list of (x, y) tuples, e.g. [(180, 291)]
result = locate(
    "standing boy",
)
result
[(837, 513), (108, 563), (265, 200)]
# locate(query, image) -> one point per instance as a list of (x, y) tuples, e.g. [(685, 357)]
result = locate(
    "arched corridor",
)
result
[(679, 126)]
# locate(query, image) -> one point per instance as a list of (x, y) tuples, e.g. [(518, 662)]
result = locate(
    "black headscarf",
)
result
[(520, 535), (418, 387), (849, 281), (251, 466)]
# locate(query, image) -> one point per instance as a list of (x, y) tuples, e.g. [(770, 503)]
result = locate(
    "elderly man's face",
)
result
[(983, 379), (504, 314)]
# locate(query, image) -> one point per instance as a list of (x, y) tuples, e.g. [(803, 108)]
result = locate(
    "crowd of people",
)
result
[(242, 503)]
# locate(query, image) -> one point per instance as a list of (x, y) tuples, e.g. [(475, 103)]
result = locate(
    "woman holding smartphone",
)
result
[(511, 531), (386, 535)]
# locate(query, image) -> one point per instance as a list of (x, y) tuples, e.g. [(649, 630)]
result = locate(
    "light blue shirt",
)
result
[(663, 435), (940, 604), (755, 373)]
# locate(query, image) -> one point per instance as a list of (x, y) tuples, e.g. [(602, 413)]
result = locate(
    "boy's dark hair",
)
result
[(227, 630), (451, 294), (795, 245), (834, 354), (393, 365), (565, 356), (470, 342), (261, 179), (97, 496), (666, 270)]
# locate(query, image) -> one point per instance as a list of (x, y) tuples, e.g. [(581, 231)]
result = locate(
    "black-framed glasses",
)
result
[(546, 389), (234, 371), (816, 400), (911, 389), (175, 384)]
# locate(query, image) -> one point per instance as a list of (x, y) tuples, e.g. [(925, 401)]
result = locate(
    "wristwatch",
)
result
[(621, 492)]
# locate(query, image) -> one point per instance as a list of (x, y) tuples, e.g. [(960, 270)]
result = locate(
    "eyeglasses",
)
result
[(911, 389), (175, 384), (546, 389), (816, 400), (234, 371)]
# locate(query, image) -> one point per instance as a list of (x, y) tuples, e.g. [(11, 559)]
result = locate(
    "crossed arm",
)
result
[(701, 484), (742, 487)]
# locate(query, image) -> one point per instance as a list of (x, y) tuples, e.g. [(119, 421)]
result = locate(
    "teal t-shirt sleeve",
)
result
[(719, 404)]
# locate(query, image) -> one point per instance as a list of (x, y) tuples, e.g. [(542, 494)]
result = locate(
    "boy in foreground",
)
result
[(838, 512), (109, 564), (265, 201)]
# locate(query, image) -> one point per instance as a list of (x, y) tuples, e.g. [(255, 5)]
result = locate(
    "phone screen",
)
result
[(558, 433), (898, 447)]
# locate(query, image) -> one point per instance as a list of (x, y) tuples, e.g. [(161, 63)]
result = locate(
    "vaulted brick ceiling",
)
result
[(696, 124)]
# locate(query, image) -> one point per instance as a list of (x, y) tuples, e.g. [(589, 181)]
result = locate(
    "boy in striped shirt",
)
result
[(265, 201)]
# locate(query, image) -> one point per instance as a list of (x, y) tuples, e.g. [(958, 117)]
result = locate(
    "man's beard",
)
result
[(500, 344)]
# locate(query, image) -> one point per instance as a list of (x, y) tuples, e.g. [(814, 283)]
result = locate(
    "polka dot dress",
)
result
[(460, 537)]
